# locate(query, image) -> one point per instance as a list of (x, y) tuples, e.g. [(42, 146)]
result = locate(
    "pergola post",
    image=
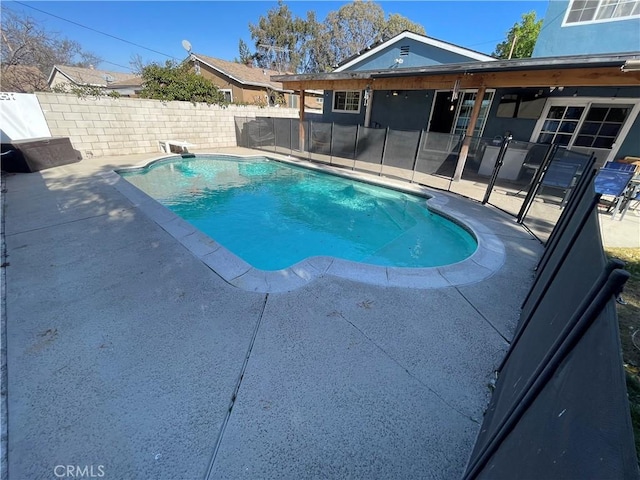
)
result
[(464, 149)]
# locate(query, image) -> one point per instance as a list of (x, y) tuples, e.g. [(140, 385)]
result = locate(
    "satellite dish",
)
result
[(186, 45), (108, 78)]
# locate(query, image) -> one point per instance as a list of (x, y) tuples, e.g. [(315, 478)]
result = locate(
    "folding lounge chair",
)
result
[(561, 175), (622, 167), (612, 183)]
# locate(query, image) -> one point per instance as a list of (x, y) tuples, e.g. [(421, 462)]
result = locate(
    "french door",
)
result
[(595, 125), (449, 115)]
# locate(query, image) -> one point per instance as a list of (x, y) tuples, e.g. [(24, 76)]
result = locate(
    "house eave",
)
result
[(550, 69)]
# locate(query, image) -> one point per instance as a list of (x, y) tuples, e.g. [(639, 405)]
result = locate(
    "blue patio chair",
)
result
[(632, 200), (612, 183), (635, 201), (622, 167)]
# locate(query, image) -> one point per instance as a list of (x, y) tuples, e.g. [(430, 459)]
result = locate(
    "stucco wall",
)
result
[(420, 55), (614, 36), (122, 126)]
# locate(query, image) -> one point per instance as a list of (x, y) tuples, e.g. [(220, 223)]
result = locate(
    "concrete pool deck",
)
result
[(129, 355)]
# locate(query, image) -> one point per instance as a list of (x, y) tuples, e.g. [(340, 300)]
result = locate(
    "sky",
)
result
[(214, 28)]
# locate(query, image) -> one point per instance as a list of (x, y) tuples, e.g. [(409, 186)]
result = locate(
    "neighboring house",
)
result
[(579, 27), (242, 83), (64, 76), (22, 79), (583, 102)]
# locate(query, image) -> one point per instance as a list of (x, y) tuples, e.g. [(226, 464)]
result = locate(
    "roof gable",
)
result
[(92, 76), (436, 50), (241, 73)]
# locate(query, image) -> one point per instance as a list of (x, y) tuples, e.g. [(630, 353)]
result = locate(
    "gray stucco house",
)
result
[(578, 96)]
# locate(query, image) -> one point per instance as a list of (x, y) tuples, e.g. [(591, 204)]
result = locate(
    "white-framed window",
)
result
[(346, 101), (588, 125), (597, 11), (228, 94)]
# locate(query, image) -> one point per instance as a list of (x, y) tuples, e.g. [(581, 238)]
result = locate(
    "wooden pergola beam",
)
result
[(575, 77)]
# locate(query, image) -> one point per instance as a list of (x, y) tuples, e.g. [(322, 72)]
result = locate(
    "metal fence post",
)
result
[(415, 160), (496, 168), (355, 147), (384, 150), (535, 182), (310, 142), (331, 144), (275, 137)]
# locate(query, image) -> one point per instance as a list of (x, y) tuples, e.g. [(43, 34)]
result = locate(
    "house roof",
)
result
[(377, 47), (242, 73), (22, 79), (553, 65), (130, 82), (94, 77)]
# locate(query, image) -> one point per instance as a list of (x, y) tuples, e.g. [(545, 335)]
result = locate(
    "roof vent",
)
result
[(404, 50)]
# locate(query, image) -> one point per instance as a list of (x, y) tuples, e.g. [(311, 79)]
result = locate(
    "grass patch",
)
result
[(629, 321)]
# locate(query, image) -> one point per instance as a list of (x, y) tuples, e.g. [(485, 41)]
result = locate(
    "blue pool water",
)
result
[(273, 214)]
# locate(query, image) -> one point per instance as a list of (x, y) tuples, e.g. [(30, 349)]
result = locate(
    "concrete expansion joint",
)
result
[(61, 224), (236, 389), (413, 376), (483, 317)]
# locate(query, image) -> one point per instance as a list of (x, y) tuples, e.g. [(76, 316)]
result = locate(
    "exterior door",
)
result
[(585, 125), (443, 112), (452, 116), (465, 107)]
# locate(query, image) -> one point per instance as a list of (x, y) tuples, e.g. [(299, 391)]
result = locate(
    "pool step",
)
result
[(404, 217)]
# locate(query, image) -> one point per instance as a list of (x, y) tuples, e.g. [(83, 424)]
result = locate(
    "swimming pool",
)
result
[(488, 256), (274, 215)]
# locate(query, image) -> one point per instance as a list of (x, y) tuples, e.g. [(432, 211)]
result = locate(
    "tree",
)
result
[(26, 43), (246, 57), (285, 42), (137, 63), (521, 38), (396, 24), (178, 82), (278, 39), (352, 28)]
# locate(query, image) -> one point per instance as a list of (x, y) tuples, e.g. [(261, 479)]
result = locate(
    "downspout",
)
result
[(464, 149)]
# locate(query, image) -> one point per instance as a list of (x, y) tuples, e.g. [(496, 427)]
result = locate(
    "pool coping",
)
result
[(484, 262)]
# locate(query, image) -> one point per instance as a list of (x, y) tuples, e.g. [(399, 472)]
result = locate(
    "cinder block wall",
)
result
[(121, 126)]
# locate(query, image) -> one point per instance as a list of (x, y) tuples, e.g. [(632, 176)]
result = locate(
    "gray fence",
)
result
[(527, 180), (559, 409)]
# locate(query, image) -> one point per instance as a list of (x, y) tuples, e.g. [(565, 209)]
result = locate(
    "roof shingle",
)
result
[(243, 73), (92, 76)]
